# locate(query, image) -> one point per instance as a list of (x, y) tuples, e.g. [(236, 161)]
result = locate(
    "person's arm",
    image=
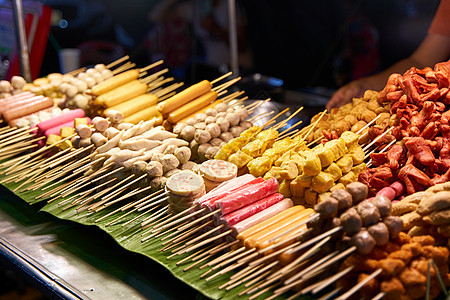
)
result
[(433, 49)]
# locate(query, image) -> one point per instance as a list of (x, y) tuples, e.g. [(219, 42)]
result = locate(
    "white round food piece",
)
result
[(200, 125), (179, 127), (218, 170), (81, 101), (191, 121), (201, 151), (242, 113), (170, 149), (233, 119), (226, 136), (169, 162), (223, 124), (213, 129), (172, 172), (91, 71), (185, 183), (90, 81), (221, 107), (99, 67), (100, 124), (98, 77), (221, 115), (210, 119), (79, 84), (114, 116), (188, 133), (85, 142), (84, 131), (106, 74), (71, 90), (154, 169), (98, 139), (215, 142), (5, 86), (111, 132), (75, 141), (190, 165), (245, 125), (123, 126), (202, 136), (200, 117), (211, 112), (158, 183), (183, 154), (211, 152), (230, 110), (236, 131), (18, 82)]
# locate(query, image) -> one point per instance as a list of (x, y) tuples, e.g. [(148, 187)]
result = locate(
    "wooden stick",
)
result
[(222, 258), (326, 282), (126, 66), (178, 220), (151, 66), (144, 213), (114, 194), (214, 250), (367, 125), (376, 139), (285, 121), (176, 216), (225, 85), (116, 62), (221, 77), (229, 268), (231, 96), (188, 233), (168, 89), (193, 255), (142, 201), (359, 285), (261, 116), (238, 281)]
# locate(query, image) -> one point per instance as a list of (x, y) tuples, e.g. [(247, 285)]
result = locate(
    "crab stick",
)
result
[(135, 104), (114, 82), (61, 119), (192, 107)]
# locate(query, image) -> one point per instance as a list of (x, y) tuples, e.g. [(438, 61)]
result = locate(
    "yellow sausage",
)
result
[(212, 105), (122, 93), (265, 242), (114, 82), (269, 222), (275, 228), (135, 104), (191, 107), (144, 115), (184, 97)]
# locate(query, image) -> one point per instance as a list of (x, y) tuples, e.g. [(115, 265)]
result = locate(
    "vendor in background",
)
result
[(433, 49)]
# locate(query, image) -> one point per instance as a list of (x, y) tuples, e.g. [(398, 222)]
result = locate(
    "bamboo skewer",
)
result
[(116, 62), (225, 85), (359, 285), (221, 78)]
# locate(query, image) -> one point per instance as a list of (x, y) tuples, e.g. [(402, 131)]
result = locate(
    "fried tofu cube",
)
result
[(322, 182), (337, 147), (357, 154), (359, 168), (334, 171), (325, 155), (240, 159), (289, 170), (259, 166), (304, 180), (274, 172), (52, 138), (284, 157), (350, 138), (299, 161), (338, 186), (312, 163), (284, 188), (345, 163), (348, 178), (64, 145), (79, 121), (297, 189), (311, 197), (66, 131)]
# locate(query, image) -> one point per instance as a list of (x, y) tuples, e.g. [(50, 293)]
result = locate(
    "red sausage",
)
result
[(18, 102), (398, 187), (16, 97), (247, 196), (57, 129), (61, 119), (387, 192), (28, 108), (247, 211)]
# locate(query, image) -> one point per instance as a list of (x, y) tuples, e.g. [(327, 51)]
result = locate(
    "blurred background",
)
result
[(285, 46)]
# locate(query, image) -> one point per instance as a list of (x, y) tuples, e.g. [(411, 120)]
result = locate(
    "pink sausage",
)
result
[(263, 215), (16, 97), (247, 196), (387, 192), (18, 102), (27, 108), (61, 119), (56, 130), (398, 187), (247, 211)]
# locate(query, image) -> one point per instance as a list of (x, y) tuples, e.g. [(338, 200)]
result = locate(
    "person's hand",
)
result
[(346, 93)]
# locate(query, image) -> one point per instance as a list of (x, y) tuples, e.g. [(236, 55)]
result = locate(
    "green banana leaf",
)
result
[(129, 237)]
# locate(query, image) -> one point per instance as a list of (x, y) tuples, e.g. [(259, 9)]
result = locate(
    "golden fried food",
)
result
[(391, 266), (402, 255)]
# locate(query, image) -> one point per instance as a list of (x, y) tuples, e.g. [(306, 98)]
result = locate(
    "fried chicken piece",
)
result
[(403, 238), (378, 253), (410, 277), (361, 263), (391, 247), (391, 266), (417, 291), (421, 265), (438, 254), (414, 247), (424, 240), (393, 288), (403, 255), (371, 288)]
